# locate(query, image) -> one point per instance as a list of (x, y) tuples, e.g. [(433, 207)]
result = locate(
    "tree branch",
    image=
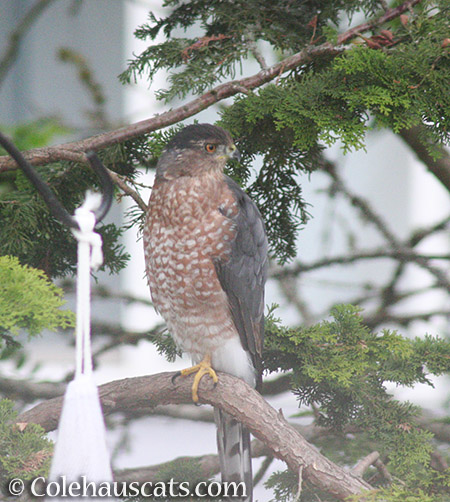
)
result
[(126, 189), (397, 249), (46, 155), (233, 396), (389, 15), (39, 156), (402, 255), (25, 390), (16, 37), (361, 467), (440, 167), (29, 391)]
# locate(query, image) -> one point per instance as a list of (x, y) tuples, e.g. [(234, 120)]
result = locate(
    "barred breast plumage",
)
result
[(184, 234)]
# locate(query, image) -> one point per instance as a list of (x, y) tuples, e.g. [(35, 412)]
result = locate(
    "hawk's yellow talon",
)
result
[(200, 369)]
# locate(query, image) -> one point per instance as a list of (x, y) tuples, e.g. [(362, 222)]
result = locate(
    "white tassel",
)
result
[(81, 451)]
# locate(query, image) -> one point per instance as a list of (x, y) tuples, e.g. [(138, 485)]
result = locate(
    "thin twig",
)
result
[(118, 180), (389, 15), (403, 255), (254, 49)]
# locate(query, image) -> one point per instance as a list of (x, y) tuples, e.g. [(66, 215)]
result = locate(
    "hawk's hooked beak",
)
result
[(235, 153)]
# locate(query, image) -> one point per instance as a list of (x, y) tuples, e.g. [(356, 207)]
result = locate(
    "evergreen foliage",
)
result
[(228, 31), (397, 77), (32, 234), (165, 344), (342, 368), (25, 451), (28, 301)]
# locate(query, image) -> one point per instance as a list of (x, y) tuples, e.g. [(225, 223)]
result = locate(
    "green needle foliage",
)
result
[(30, 232), (28, 301), (35, 237), (342, 368), (229, 30), (25, 452), (394, 76)]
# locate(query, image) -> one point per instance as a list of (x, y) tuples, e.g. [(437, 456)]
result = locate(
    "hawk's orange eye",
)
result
[(210, 148)]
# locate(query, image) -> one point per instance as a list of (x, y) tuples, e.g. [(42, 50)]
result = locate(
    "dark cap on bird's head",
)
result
[(191, 134), (196, 149)]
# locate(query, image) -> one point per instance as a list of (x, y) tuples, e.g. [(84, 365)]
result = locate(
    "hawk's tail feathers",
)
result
[(233, 444)]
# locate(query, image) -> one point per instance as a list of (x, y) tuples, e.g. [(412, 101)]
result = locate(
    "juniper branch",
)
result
[(40, 156)]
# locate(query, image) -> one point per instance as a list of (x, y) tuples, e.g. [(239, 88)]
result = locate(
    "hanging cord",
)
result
[(90, 257)]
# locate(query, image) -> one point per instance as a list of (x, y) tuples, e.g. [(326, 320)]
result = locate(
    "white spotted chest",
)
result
[(184, 233)]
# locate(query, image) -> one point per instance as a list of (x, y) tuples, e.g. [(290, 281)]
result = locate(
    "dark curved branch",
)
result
[(234, 397)]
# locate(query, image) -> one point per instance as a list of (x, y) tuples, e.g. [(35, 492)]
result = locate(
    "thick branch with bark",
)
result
[(233, 396)]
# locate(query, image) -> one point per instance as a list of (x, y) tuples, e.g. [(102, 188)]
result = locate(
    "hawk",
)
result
[(206, 261)]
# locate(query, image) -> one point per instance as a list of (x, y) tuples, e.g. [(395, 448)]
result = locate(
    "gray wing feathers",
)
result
[(243, 276)]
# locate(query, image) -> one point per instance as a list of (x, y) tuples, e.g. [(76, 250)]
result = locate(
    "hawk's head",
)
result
[(196, 150)]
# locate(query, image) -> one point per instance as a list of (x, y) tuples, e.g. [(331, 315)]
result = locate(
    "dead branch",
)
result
[(361, 467), (233, 396)]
